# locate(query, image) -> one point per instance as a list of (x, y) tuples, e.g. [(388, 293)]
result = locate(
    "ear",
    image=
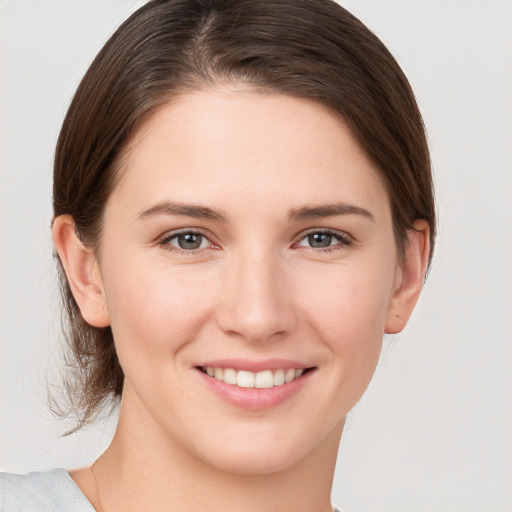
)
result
[(409, 278), (81, 267)]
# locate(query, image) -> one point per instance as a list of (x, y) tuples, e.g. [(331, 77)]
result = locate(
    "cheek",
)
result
[(348, 314), (352, 301), (154, 309)]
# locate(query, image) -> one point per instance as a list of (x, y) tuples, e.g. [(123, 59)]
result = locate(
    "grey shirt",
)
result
[(47, 491)]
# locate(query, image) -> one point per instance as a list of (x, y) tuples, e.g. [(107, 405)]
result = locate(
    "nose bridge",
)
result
[(257, 305)]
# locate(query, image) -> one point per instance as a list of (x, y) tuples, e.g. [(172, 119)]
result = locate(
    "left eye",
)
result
[(323, 240), (187, 241)]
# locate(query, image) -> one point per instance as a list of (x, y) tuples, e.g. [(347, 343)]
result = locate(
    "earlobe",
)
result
[(81, 267), (409, 278)]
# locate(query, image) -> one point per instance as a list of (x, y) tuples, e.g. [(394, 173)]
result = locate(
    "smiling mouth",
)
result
[(260, 380)]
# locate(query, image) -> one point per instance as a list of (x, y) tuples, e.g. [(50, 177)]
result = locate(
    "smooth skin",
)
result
[(295, 258)]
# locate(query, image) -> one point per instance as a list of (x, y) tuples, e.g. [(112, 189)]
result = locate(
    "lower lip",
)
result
[(255, 398)]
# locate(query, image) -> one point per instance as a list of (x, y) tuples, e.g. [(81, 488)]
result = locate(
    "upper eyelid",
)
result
[(176, 232), (328, 231), (323, 230)]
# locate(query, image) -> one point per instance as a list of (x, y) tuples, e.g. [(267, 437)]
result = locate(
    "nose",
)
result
[(257, 303)]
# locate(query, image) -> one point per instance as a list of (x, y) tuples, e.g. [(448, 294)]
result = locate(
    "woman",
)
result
[(243, 207)]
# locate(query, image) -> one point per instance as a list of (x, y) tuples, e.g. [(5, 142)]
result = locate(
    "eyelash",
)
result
[(165, 243), (343, 239)]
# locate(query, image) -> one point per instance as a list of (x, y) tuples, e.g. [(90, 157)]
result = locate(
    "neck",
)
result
[(143, 469)]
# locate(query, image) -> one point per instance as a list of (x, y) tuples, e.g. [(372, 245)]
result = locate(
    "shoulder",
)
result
[(46, 491)]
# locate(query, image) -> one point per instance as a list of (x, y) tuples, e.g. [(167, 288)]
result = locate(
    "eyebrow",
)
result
[(204, 212), (183, 209), (328, 210)]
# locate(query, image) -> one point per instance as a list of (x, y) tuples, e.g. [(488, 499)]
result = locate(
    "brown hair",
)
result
[(306, 48)]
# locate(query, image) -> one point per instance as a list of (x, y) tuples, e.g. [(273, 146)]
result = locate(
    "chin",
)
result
[(251, 463), (258, 454)]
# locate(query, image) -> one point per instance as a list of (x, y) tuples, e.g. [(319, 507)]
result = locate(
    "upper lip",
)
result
[(254, 366)]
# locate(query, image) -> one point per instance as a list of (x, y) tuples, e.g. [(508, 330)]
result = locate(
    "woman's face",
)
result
[(248, 238)]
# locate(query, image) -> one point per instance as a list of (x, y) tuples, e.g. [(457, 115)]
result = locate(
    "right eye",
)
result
[(324, 240), (186, 241)]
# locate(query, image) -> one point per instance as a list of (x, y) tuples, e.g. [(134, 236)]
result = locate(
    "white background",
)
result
[(434, 431)]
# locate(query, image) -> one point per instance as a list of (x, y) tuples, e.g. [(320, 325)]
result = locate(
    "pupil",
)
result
[(189, 241), (319, 240)]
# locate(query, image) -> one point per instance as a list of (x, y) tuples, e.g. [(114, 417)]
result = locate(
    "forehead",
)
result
[(210, 144)]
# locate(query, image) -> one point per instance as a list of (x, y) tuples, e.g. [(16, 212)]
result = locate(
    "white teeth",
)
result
[(278, 377), (230, 376), (246, 379), (289, 375), (264, 379)]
